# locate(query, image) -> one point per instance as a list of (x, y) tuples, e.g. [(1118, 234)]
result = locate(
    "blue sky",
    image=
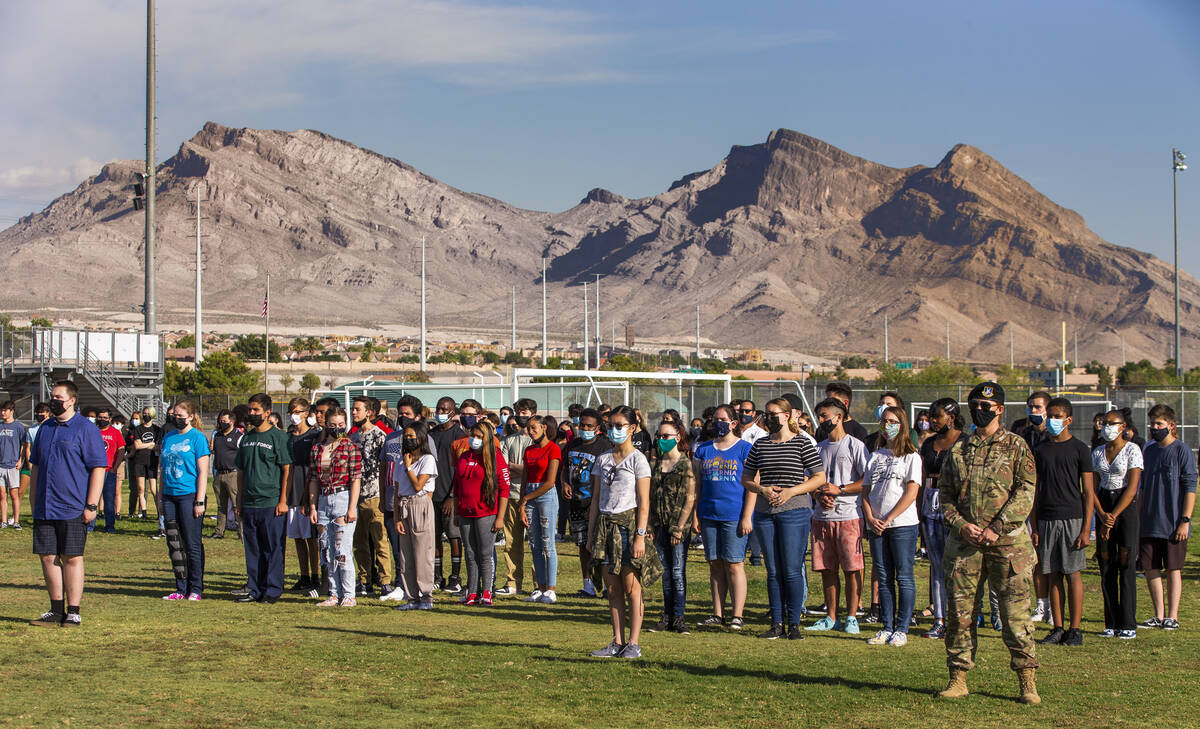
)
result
[(535, 103)]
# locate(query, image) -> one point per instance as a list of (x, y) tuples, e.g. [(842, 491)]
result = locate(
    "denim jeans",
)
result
[(674, 579), (181, 510), (263, 543), (895, 550), (109, 494), (543, 516), (935, 547), (784, 540), (336, 542)]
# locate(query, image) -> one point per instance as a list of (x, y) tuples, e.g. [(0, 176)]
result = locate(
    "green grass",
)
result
[(139, 661)]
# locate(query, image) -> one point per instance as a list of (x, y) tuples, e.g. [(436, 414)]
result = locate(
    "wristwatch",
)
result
[(1185, 519), (199, 503), (843, 488), (91, 507), (641, 532)]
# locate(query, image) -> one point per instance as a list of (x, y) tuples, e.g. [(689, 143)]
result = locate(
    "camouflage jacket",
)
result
[(988, 482)]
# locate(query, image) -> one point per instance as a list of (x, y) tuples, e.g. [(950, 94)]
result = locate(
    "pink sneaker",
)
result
[(328, 602), (194, 597), (486, 600), (349, 602), (175, 596)]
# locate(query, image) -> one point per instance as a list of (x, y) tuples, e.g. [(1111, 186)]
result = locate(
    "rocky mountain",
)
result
[(791, 243)]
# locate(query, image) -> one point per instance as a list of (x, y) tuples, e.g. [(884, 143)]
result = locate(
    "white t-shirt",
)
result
[(617, 491), (425, 465), (753, 433), (887, 478), (845, 462), (1111, 476)]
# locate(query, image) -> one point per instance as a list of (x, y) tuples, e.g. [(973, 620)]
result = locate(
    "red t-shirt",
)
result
[(468, 485), (537, 462), (113, 442)]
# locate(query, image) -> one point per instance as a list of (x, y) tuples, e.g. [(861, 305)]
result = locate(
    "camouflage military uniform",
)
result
[(989, 482)]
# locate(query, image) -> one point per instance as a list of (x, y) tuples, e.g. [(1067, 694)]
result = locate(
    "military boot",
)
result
[(957, 688), (1029, 694)]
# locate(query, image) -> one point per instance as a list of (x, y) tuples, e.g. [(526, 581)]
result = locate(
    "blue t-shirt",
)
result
[(721, 490), (1168, 474), (65, 454), (180, 452), (12, 436)]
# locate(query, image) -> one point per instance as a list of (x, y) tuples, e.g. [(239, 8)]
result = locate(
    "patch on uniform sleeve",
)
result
[(1029, 468)]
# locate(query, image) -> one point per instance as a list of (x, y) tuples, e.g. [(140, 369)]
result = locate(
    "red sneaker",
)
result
[(486, 600), (471, 599)]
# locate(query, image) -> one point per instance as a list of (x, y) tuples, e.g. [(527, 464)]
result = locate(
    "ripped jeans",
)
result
[(543, 515), (336, 542)]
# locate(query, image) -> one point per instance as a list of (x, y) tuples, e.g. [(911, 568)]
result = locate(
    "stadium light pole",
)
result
[(1177, 166), (423, 303), (151, 319), (543, 311), (587, 354), (597, 321)]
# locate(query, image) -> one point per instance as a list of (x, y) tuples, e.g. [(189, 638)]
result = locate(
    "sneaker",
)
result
[(611, 650), (349, 602), (485, 600), (852, 626), (535, 596), (996, 624), (217, 535), (937, 632), (754, 561), (1107, 633), (17, 525), (548, 597), (825, 623), (425, 605), (245, 598), (301, 585), (585, 594), (1151, 623), (737, 623), (898, 639), (1039, 613), (631, 650), (48, 619), (501, 541), (774, 633), (439, 582), (1074, 637), (313, 590), (1054, 637), (872, 615), (678, 626), (794, 633), (880, 638), (410, 605), (818, 610), (241, 591), (370, 591), (507, 591), (328, 602), (454, 584), (396, 593), (1126, 634), (194, 597), (471, 599), (72, 620), (4, 525), (175, 596), (712, 621), (158, 535), (661, 626), (1170, 624)]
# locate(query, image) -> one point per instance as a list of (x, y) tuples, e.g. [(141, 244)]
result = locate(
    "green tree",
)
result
[(1143, 373), (40, 322), (516, 358), (1101, 370), (286, 381), (368, 352), (250, 347), (620, 363), (175, 378), (187, 341), (942, 371), (306, 344), (1006, 375), (491, 358), (224, 372), (854, 362), (310, 382), (890, 374)]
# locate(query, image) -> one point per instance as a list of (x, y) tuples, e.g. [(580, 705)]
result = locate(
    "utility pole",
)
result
[(543, 311), (1011, 359), (885, 337), (697, 335), (267, 338), (597, 320), (1177, 166), (423, 350), (151, 322), (1075, 362), (513, 344), (614, 336), (1123, 360), (199, 354), (586, 344), (947, 339)]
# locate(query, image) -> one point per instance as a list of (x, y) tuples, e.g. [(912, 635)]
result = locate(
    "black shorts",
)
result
[(1161, 554), (577, 519), (142, 470), (66, 537), (445, 525)]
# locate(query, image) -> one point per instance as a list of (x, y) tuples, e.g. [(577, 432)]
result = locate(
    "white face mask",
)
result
[(136, 422), (296, 418), (1112, 432), (476, 444), (311, 420), (91, 419)]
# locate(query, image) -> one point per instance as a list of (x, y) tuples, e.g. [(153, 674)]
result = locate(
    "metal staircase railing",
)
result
[(103, 378)]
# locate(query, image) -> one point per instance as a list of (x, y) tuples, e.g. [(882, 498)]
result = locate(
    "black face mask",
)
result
[(468, 421), (747, 419), (403, 422), (982, 418), (522, 421), (57, 407), (773, 425), (411, 444), (337, 432), (102, 424), (694, 433), (226, 427), (721, 428), (1159, 434), (254, 420), (179, 423), (360, 423)]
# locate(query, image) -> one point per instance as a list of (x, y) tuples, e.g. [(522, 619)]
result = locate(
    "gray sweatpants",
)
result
[(480, 545)]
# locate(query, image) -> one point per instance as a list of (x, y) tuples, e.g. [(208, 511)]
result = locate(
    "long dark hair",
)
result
[(421, 432)]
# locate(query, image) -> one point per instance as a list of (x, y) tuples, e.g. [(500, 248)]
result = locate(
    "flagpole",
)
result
[(267, 338)]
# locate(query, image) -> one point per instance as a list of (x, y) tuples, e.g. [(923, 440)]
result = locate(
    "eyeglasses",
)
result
[(892, 421)]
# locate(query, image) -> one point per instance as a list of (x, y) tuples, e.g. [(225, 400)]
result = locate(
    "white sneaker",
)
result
[(548, 597), (535, 596), (506, 591), (898, 639), (1038, 614), (880, 638), (395, 594)]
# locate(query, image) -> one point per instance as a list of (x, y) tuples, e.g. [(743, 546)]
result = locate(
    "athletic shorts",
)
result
[(10, 478), (1056, 546), (445, 525), (142, 470), (66, 537), (721, 541), (837, 544), (298, 525), (1161, 554), (577, 519)]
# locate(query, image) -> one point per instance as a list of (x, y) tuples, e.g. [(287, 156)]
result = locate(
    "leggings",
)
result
[(935, 546), (480, 545)]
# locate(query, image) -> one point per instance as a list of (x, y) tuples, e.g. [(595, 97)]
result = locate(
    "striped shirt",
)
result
[(784, 463)]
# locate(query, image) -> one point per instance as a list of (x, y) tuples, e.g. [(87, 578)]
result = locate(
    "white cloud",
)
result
[(31, 182)]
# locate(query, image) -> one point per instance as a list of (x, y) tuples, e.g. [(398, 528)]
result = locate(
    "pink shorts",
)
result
[(837, 544)]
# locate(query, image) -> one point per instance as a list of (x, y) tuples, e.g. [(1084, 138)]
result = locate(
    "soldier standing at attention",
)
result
[(987, 488)]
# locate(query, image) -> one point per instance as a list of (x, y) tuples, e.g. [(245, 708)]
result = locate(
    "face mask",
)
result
[(618, 435), (587, 435), (136, 422), (179, 423), (510, 429), (468, 421), (411, 444), (441, 418), (476, 444), (103, 424), (1034, 419), (773, 424), (1159, 434), (402, 422), (666, 445), (575, 420), (226, 427), (296, 418), (311, 420), (1056, 425), (1112, 432), (982, 418), (747, 419), (879, 412), (91, 419), (254, 420), (721, 428), (57, 407), (522, 421), (943, 430), (891, 430), (361, 423), (695, 433), (336, 431)]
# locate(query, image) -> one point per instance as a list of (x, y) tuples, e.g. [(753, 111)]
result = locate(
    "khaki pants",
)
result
[(371, 545), (416, 546), (514, 545), (226, 486)]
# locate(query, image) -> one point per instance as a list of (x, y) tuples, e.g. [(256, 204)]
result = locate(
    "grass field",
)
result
[(139, 661)]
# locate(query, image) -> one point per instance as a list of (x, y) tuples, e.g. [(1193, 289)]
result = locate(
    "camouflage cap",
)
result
[(987, 391)]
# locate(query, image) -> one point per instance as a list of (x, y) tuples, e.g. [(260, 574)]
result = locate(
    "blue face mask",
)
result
[(587, 434), (1035, 419), (879, 412), (575, 420), (720, 428), (441, 418), (1055, 425), (891, 430), (618, 435)]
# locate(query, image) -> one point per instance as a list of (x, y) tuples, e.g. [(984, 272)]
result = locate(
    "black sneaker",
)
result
[(774, 633), (736, 623), (439, 582), (242, 591), (661, 626), (454, 585), (301, 585), (872, 615), (1170, 624), (794, 633), (360, 590), (1054, 637), (1151, 623), (1074, 637), (246, 598), (48, 619), (712, 621), (678, 626), (756, 561)]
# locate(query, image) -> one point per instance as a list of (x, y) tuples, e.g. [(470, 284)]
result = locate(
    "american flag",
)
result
[(264, 311)]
